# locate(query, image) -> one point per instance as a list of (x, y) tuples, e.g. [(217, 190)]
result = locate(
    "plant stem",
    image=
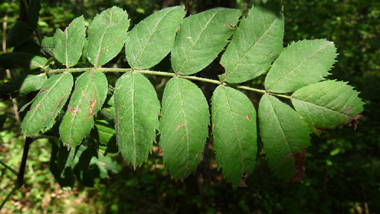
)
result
[(21, 172), (161, 73), (8, 167)]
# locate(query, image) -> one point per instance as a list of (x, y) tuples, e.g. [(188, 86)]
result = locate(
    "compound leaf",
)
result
[(201, 38), (327, 104), (301, 64), (152, 39), (235, 134), (69, 43), (49, 101), (255, 44), (106, 35), (88, 97), (284, 134), (183, 126), (136, 117)]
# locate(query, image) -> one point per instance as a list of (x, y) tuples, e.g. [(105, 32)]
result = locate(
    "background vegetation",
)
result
[(342, 167)]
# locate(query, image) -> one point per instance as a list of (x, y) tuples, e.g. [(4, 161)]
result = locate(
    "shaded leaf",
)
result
[(235, 133), (34, 13), (103, 132), (68, 44), (183, 126), (22, 60), (284, 133), (327, 104), (301, 64), (201, 38), (136, 117), (152, 39), (106, 35), (18, 34), (28, 47), (88, 97), (50, 100), (255, 44), (23, 85)]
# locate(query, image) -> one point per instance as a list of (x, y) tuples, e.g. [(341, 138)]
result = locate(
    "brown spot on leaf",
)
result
[(67, 146), (348, 110), (247, 117), (37, 106), (319, 130), (179, 125), (299, 164), (159, 114), (183, 138), (242, 181), (212, 127), (352, 121), (74, 110), (185, 166)]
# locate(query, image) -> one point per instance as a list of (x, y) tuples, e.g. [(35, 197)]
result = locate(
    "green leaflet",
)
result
[(201, 38), (50, 100), (152, 39), (18, 34), (235, 133), (183, 126), (103, 131), (327, 104), (255, 44), (47, 46), (23, 85), (301, 64), (106, 35), (34, 13), (23, 60), (136, 117), (283, 132), (68, 45), (88, 97)]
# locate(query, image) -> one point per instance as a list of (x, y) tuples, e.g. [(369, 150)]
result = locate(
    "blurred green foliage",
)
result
[(342, 167)]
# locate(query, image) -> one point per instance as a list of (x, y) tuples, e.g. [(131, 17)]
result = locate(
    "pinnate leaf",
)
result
[(152, 39), (68, 44), (136, 121), (106, 35), (235, 133), (201, 38), (327, 104), (88, 97), (301, 64), (49, 101), (183, 126), (255, 44), (284, 134)]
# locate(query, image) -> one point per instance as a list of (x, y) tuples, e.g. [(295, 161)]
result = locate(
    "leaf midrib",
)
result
[(235, 128), (196, 41), (147, 42), (302, 62), (250, 49)]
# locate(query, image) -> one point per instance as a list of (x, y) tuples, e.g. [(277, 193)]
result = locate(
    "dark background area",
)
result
[(342, 170)]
